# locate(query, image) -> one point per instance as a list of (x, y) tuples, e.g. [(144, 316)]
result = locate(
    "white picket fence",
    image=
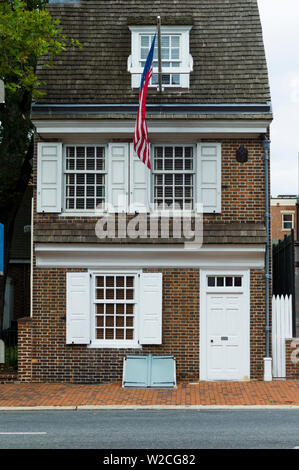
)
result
[(281, 329)]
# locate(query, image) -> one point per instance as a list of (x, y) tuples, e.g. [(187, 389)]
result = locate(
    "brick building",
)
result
[(283, 216), (102, 289)]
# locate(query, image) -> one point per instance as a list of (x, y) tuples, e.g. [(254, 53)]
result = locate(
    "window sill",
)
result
[(83, 214), (153, 90), (153, 213), (114, 345)]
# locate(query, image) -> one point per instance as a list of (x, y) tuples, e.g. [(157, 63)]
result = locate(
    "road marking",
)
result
[(3, 433), (297, 447)]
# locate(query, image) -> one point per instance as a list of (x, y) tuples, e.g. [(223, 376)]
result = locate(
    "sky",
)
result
[(280, 23)]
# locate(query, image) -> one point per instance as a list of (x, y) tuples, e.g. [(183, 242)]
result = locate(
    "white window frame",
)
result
[(115, 344), (186, 67), (83, 212), (150, 191), (283, 228), (192, 172)]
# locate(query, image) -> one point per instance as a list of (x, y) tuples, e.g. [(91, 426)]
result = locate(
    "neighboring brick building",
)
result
[(283, 216), (97, 299)]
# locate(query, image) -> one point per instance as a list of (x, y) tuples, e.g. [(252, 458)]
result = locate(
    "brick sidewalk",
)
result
[(204, 393)]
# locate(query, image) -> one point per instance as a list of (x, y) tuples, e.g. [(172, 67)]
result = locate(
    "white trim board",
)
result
[(140, 256), (154, 127)]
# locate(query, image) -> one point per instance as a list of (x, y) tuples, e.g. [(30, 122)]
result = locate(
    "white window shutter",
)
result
[(209, 176), (139, 184), (77, 308), (49, 177), (150, 308), (118, 156)]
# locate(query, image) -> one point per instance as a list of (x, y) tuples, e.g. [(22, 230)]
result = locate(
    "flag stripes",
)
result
[(141, 141)]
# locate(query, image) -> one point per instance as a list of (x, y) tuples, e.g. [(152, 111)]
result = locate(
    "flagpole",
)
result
[(159, 53)]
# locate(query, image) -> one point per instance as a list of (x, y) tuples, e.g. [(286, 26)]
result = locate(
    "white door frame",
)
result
[(245, 289)]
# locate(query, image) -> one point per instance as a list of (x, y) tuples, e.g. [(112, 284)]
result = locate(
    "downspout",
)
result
[(31, 261), (267, 359)]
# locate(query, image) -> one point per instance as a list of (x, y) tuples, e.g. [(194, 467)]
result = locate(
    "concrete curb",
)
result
[(150, 407)]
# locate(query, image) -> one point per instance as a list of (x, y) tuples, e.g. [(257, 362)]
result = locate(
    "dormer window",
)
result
[(176, 60)]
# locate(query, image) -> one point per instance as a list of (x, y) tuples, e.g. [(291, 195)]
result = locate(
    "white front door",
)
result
[(224, 351)]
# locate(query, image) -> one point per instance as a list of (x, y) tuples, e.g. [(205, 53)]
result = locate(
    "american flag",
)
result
[(141, 142)]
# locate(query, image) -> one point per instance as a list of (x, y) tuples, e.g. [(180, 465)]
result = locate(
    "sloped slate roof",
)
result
[(81, 232), (225, 41)]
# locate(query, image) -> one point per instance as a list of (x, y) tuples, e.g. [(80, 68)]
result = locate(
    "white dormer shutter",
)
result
[(77, 308), (139, 184), (209, 176), (118, 177), (49, 177), (151, 308)]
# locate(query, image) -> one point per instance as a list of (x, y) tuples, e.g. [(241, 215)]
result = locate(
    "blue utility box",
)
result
[(149, 372)]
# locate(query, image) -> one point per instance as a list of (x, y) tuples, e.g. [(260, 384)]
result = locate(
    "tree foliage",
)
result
[(28, 34)]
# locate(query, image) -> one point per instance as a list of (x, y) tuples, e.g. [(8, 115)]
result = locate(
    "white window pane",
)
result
[(164, 41), (144, 53), (171, 188), (145, 41), (170, 57), (165, 53), (175, 53), (114, 307), (84, 190), (175, 41), (165, 79), (175, 79), (155, 79)]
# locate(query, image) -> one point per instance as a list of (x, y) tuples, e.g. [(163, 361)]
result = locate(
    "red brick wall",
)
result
[(292, 358), (53, 360), (257, 324), (25, 357), (243, 197)]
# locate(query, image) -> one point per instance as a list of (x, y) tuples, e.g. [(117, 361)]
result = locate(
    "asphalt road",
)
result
[(150, 429)]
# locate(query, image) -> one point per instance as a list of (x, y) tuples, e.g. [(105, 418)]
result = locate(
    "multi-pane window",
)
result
[(174, 176), (170, 57), (287, 221), (115, 303), (85, 177), (224, 281)]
